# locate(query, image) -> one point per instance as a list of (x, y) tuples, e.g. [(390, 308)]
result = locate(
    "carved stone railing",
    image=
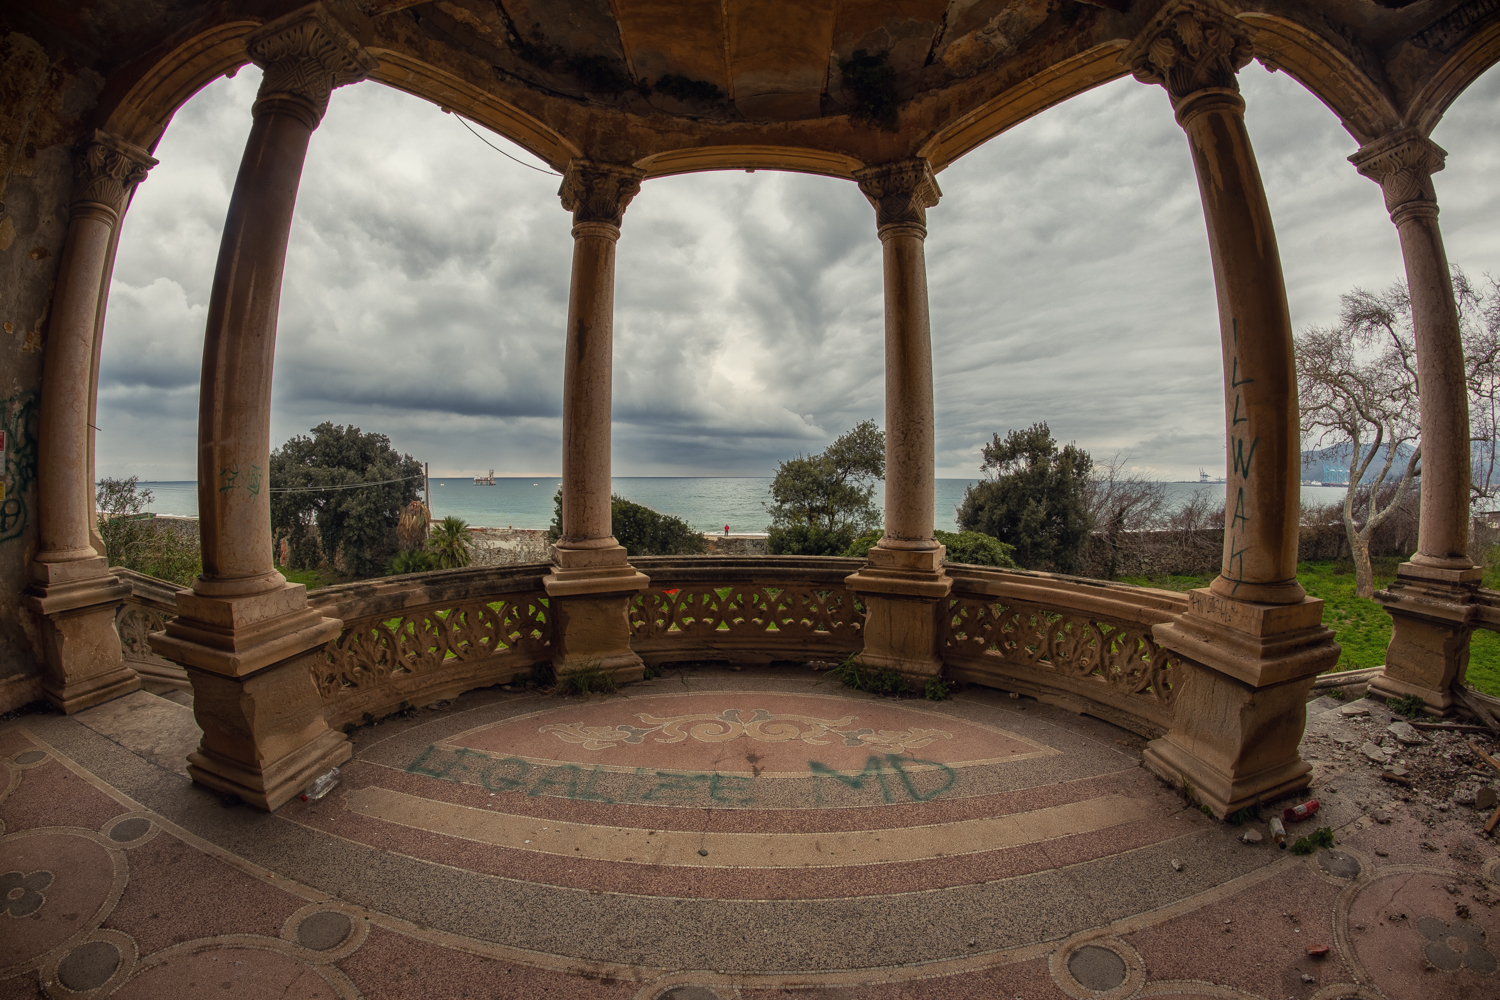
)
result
[(151, 604), (1081, 644), (746, 609), (429, 636)]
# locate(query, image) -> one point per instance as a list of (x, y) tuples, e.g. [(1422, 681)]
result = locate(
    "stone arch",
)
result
[(744, 157), (1023, 100), (141, 114), (1308, 57), (1476, 54)]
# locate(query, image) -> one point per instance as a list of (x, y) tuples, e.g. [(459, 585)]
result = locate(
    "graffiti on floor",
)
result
[(887, 778), (918, 780)]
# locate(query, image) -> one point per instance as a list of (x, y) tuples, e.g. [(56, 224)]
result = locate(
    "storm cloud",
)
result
[(426, 287)]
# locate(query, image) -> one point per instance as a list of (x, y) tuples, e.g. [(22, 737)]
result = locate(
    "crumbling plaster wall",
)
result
[(46, 106)]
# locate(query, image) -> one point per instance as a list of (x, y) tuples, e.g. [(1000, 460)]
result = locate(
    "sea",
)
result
[(706, 503)]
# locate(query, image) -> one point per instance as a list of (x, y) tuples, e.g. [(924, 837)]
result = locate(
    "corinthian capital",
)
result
[(1190, 46), (1402, 163), (106, 170), (599, 192), (305, 55), (901, 192)]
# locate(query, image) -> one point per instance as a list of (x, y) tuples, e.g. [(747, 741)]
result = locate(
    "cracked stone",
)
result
[(1404, 732), (1375, 754)]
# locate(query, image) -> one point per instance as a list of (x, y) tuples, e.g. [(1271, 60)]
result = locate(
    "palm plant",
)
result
[(449, 543)]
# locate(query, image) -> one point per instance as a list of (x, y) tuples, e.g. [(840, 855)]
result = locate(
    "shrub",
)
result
[(977, 549), (809, 540), (854, 674), (643, 531), (166, 549), (410, 561)]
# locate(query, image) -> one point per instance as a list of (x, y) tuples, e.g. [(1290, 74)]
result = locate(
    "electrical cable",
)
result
[(350, 486), (528, 166)]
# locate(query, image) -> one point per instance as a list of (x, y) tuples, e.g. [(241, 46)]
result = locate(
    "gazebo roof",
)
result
[(824, 86)]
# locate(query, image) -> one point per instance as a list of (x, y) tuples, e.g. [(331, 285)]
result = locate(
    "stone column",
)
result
[(591, 582), (246, 637), (903, 586), (72, 591), (1253, 639), (1432, 600)]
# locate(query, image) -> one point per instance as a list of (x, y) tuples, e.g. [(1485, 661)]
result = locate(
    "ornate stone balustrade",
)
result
[(151, 604), (1080, 644), (422, 638), (745, 609)]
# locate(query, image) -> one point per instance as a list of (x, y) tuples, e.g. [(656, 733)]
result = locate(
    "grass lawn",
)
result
[(313, 578), (1361, 626)]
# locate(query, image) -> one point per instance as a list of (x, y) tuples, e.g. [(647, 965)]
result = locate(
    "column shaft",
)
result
[(1263, 468), (62, 479), (587, 386), (1443, 534), (910, 436), (234, 409)]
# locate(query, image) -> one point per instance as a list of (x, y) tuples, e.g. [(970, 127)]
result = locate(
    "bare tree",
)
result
[(1479, 315), (1122, 499), (1358, 387)]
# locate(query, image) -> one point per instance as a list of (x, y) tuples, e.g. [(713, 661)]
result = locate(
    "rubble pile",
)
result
[(1435, 769)]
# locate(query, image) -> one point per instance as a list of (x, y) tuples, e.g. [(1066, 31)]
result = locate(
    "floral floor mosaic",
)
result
[(714, 834)]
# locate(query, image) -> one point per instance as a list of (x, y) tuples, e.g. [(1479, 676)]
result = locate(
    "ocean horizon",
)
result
[(708, 503)]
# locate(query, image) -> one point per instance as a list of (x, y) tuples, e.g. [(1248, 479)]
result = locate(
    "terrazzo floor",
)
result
[(715, 834)]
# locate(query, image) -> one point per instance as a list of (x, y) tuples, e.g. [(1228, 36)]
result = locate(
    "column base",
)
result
[(1432, 612), (589, 593), (1240, 711), (905, 593), (250, 662), (271, 784), (75, 604)]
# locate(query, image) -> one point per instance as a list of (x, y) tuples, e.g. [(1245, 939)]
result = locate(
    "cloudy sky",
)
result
[(426, 288)]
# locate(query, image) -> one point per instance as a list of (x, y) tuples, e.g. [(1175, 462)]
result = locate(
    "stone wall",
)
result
[(46, 107), (735, 545), (507, 546)]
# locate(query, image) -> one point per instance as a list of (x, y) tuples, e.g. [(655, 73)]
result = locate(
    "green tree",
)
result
[(352, 486), (821, 502), (643, 531), (449, 544), (1034, 497)]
